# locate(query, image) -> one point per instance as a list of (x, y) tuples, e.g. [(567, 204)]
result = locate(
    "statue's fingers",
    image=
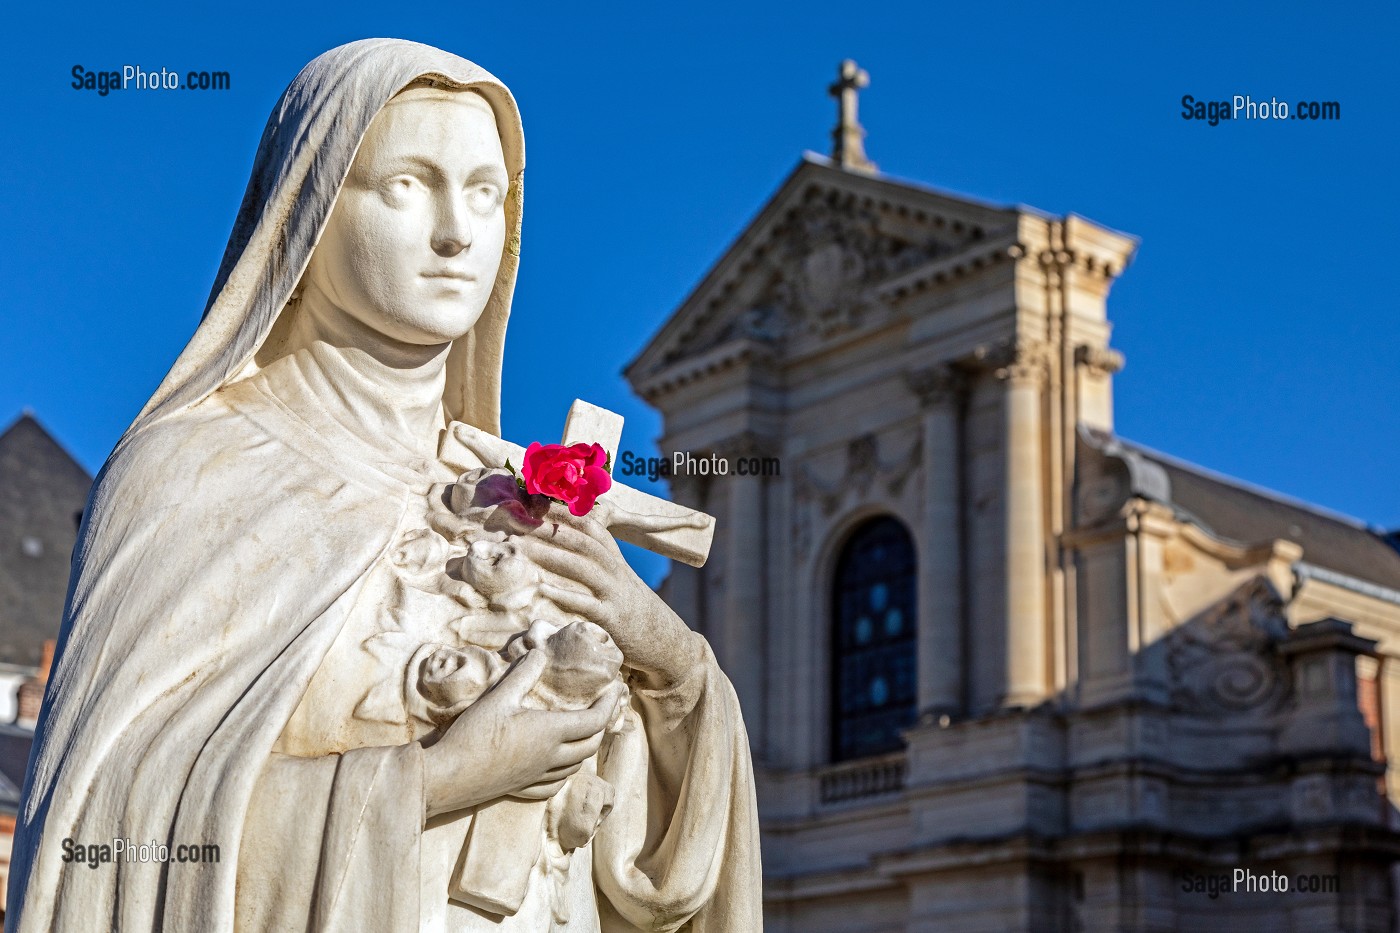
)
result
[(570, 538), (565, 563), (586, 723), (549, 578), (579, 750), (609, 701), (563, 771), (542, 791), (487, 449), (569, 584), (521, 678), (591, 524), (583, 604)]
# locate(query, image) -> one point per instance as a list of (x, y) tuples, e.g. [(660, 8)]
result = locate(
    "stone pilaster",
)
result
[(740, 636), (942, 660), (683, 586), (1027, 638)]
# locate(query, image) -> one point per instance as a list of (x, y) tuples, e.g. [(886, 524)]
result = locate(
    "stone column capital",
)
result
[(938, 385), (1023, 363), (746, 444), (1101, 361)]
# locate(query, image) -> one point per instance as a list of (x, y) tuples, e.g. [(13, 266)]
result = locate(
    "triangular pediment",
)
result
[(830, 251)]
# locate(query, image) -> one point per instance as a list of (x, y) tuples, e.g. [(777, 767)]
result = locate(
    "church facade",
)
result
[(1001, 668)]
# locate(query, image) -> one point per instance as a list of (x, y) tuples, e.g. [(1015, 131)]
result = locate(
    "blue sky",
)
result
[(1258, 321)]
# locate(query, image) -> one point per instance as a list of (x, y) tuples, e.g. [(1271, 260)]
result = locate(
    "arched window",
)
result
[(875, 642)]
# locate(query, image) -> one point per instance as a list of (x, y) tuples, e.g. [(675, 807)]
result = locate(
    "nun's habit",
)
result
[(223, 554)]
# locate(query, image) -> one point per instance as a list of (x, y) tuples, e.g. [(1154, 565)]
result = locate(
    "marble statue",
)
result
[(315, 623)]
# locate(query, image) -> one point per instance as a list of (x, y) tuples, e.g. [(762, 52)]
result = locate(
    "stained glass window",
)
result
[(874, 687)]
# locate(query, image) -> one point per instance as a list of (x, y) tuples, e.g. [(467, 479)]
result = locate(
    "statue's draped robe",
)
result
[(211, 592)]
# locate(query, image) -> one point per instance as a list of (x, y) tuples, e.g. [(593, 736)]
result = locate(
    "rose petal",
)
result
[(597, 479), (555, 480), (583, 502), (530, 465)]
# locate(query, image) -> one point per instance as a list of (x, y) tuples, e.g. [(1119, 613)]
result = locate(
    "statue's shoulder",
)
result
[(183, 451), (197, 431)]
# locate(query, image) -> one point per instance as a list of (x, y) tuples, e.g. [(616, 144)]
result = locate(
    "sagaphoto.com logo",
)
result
[(103, 81), (1213, 112)]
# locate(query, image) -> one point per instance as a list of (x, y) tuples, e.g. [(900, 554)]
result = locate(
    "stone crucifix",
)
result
[(848, 138), (658, 525)]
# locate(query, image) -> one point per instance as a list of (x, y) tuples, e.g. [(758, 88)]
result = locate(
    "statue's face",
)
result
[(414, 241)]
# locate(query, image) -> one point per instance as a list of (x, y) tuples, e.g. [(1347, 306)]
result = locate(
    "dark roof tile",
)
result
[(43, 491)]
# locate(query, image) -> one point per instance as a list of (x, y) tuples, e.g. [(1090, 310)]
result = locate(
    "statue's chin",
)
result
[(419, 319)]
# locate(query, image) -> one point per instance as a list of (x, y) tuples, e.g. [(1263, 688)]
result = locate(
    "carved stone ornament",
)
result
[(1025, 362), (864, 471), (817, 272), (829, 254), (1101, 361), (1224, 660), (862, 459)]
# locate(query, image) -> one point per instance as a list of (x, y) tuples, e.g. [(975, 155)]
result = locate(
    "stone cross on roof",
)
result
[(848, 139), (659, 525)]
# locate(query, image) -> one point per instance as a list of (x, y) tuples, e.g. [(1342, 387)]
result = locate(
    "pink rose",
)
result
[(575, 475)]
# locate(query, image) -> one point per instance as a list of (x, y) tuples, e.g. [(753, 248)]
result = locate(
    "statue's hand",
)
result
[(497, 748), (586, 574)]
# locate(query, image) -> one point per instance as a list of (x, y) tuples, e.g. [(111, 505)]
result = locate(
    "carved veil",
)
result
[(302, 160)]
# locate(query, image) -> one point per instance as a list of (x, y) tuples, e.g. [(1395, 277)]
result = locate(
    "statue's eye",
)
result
[(483, 197), (400, 184)]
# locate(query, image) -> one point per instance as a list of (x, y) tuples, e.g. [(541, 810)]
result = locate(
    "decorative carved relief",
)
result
[(765, 323), (864, 471), (811, 490), (829, 254), (896, 475), (818, 273), (862, 459), (1224, 661)]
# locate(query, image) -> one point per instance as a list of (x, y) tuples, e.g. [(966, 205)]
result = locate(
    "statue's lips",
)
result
[(450, 274)]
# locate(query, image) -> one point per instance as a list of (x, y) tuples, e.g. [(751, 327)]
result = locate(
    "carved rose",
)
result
[(575, 475), (419, 552)]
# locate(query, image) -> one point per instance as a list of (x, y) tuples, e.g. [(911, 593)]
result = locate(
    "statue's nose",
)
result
[(452, 232)]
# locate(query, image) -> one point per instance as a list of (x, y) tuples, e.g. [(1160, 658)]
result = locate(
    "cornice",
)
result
[(736, 353)]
